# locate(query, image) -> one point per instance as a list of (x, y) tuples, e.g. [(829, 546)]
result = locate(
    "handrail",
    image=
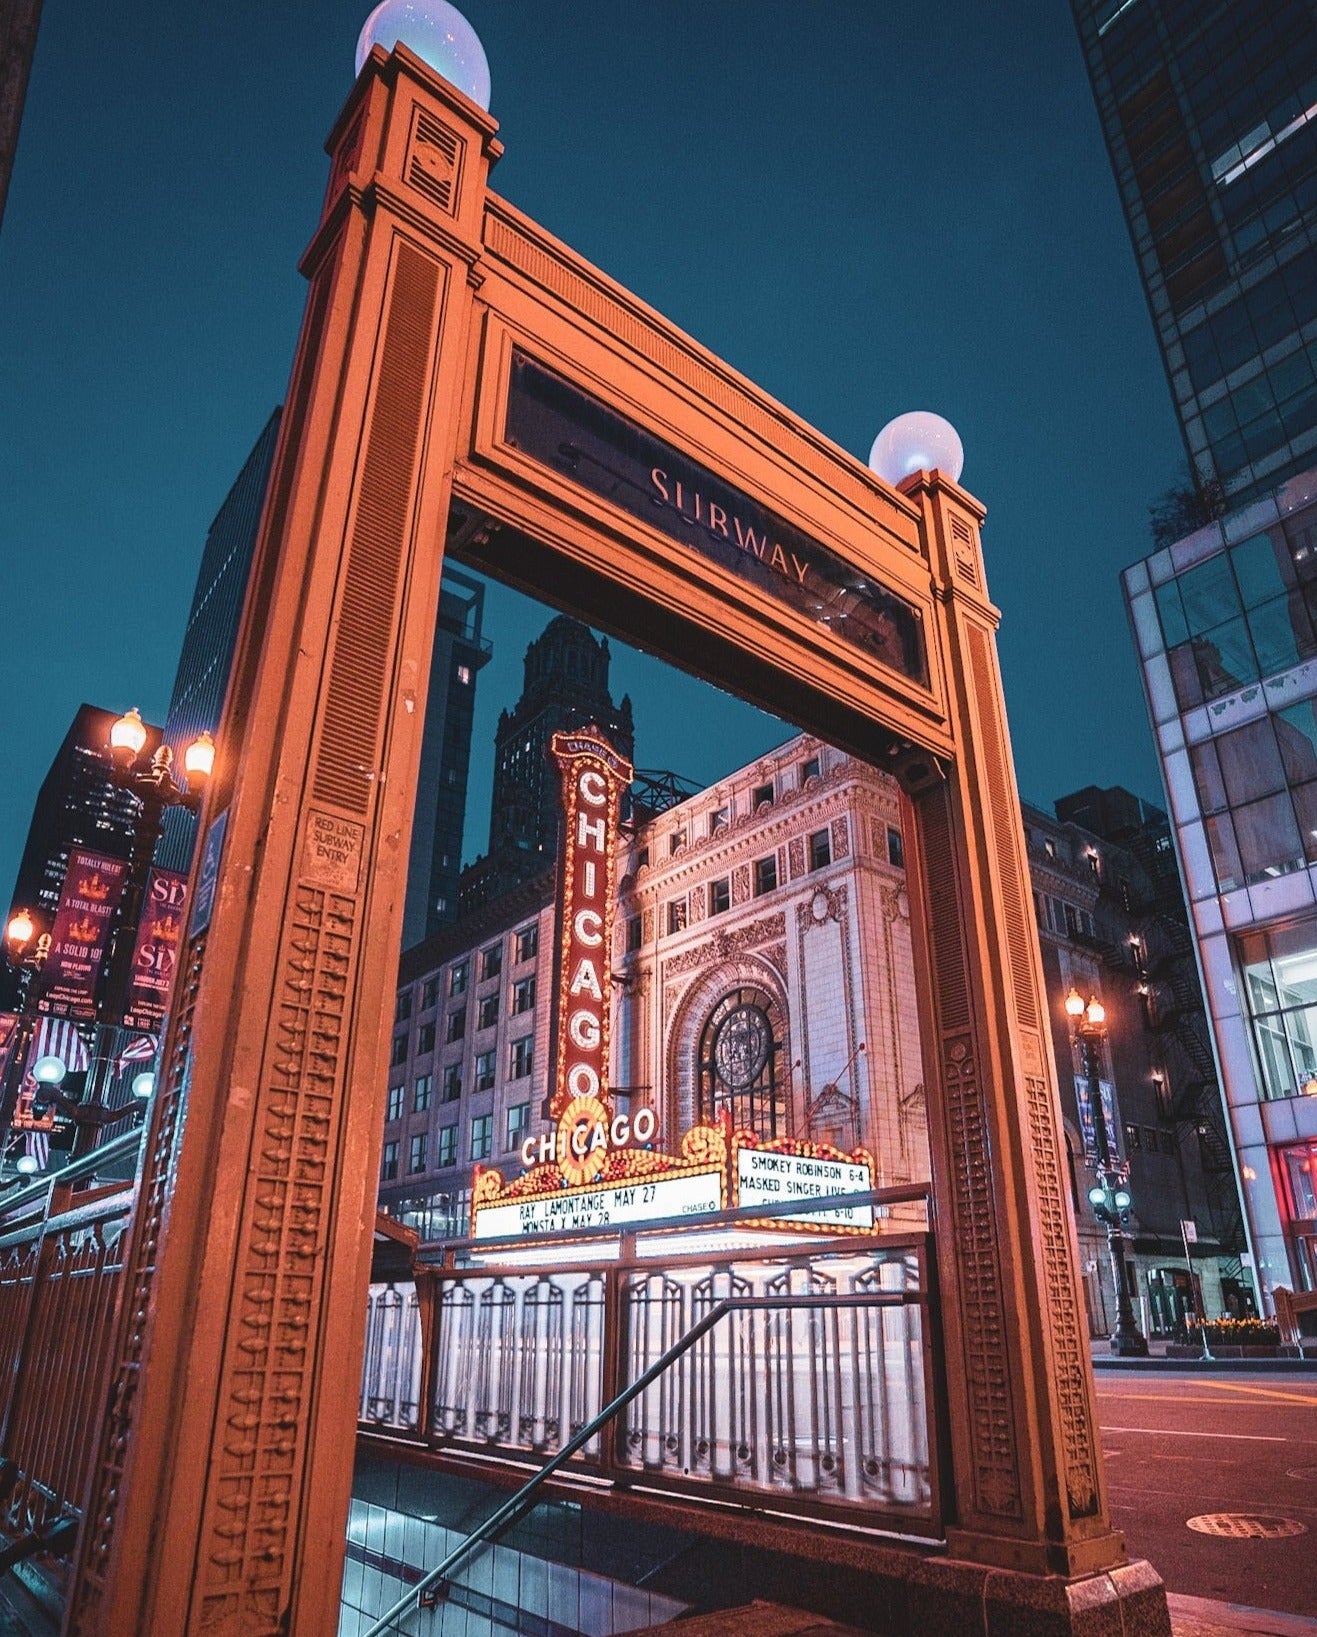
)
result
[(101, 1209), (126, 1143), (519, 1503)]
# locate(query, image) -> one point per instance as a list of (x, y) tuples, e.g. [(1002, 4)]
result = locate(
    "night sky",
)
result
[(867, 208)]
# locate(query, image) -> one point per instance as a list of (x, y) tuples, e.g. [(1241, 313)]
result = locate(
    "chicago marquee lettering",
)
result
[(583, 1137), (692, 507), (593, 779)]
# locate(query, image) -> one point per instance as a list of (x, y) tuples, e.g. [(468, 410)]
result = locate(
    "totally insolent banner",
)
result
[(155, 954), (80, 936)]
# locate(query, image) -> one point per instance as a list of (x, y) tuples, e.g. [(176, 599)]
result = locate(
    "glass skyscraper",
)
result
[(211, 634), (1225, 621), (1209, 109)]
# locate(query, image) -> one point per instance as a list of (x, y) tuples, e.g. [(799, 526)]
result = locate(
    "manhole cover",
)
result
[(1247, 1526)]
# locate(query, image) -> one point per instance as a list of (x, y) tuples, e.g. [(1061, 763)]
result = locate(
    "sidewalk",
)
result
[(1199, 1617), (1190, 1617), (1104, 1358)]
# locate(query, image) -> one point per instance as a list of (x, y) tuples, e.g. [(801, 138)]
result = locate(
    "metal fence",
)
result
[(60, 1273), (824, 1404)]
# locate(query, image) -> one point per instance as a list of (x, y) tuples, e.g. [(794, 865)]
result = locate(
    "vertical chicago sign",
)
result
[(594, 777)]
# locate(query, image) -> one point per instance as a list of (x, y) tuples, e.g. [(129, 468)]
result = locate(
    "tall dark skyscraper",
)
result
[(19, 22), (1209, 108), (212, 627), (77, 806), (436, 855), (565, 686)]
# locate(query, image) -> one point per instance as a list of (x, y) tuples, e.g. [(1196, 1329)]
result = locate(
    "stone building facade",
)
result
[(1112, 924), (762, 966), (776, 898), (764, 920)]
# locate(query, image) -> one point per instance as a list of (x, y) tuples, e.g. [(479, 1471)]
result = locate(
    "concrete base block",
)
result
[(1125, 1602)]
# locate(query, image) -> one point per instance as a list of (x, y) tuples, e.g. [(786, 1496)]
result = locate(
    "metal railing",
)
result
[(60, 1275), (523, 1500)]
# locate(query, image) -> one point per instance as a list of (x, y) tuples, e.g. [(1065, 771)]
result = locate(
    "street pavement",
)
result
[(1199, 1443)]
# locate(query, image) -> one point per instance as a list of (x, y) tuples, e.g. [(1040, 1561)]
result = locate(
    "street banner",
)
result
[(1086, 1123), (81, 934), (155, 954)]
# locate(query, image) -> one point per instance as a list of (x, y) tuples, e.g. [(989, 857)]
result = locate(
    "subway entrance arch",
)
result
[(464, 381)]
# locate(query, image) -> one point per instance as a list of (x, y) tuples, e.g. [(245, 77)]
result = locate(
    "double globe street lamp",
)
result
[(151, 782), (1110, 1195)]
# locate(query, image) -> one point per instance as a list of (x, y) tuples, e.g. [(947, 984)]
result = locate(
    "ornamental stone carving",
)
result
[(725, 945)]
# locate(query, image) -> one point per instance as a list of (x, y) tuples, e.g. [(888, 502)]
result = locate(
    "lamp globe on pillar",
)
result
[(1109, 1196)]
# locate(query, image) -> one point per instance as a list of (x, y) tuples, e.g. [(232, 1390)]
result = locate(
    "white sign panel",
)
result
[(1189, 1229), (609, 1207), (766, 1178)]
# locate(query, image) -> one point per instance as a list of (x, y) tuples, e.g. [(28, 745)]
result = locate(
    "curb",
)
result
[(1241, 1366), (1201, 1617)]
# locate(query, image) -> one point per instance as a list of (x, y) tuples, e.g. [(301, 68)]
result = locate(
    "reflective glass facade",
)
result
[(1280, 976), (1209, 109), (1226, 627)]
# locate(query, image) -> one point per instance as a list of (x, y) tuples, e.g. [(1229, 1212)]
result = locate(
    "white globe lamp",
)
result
[(49, 1071), (917, 442), (438, 34)]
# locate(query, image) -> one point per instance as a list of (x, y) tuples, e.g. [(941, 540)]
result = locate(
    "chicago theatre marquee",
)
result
[(447, 341)]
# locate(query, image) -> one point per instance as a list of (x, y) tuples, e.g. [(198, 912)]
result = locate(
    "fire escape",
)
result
[(1177, 1015)]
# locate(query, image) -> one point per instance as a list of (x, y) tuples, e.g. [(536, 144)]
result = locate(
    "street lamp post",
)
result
[(156, 790), (1110, 1196), (24, 951)]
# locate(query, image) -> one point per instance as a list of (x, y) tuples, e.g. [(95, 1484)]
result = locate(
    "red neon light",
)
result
[(593, 779)]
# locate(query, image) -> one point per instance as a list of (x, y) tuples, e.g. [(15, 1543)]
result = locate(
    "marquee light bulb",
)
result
[(438, 34), (919, 441)]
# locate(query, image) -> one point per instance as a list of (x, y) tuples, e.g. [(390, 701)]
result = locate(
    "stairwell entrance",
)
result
[(462, 375)]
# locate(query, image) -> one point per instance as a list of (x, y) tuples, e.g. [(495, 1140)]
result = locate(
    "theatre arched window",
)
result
[(740, 1063)]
